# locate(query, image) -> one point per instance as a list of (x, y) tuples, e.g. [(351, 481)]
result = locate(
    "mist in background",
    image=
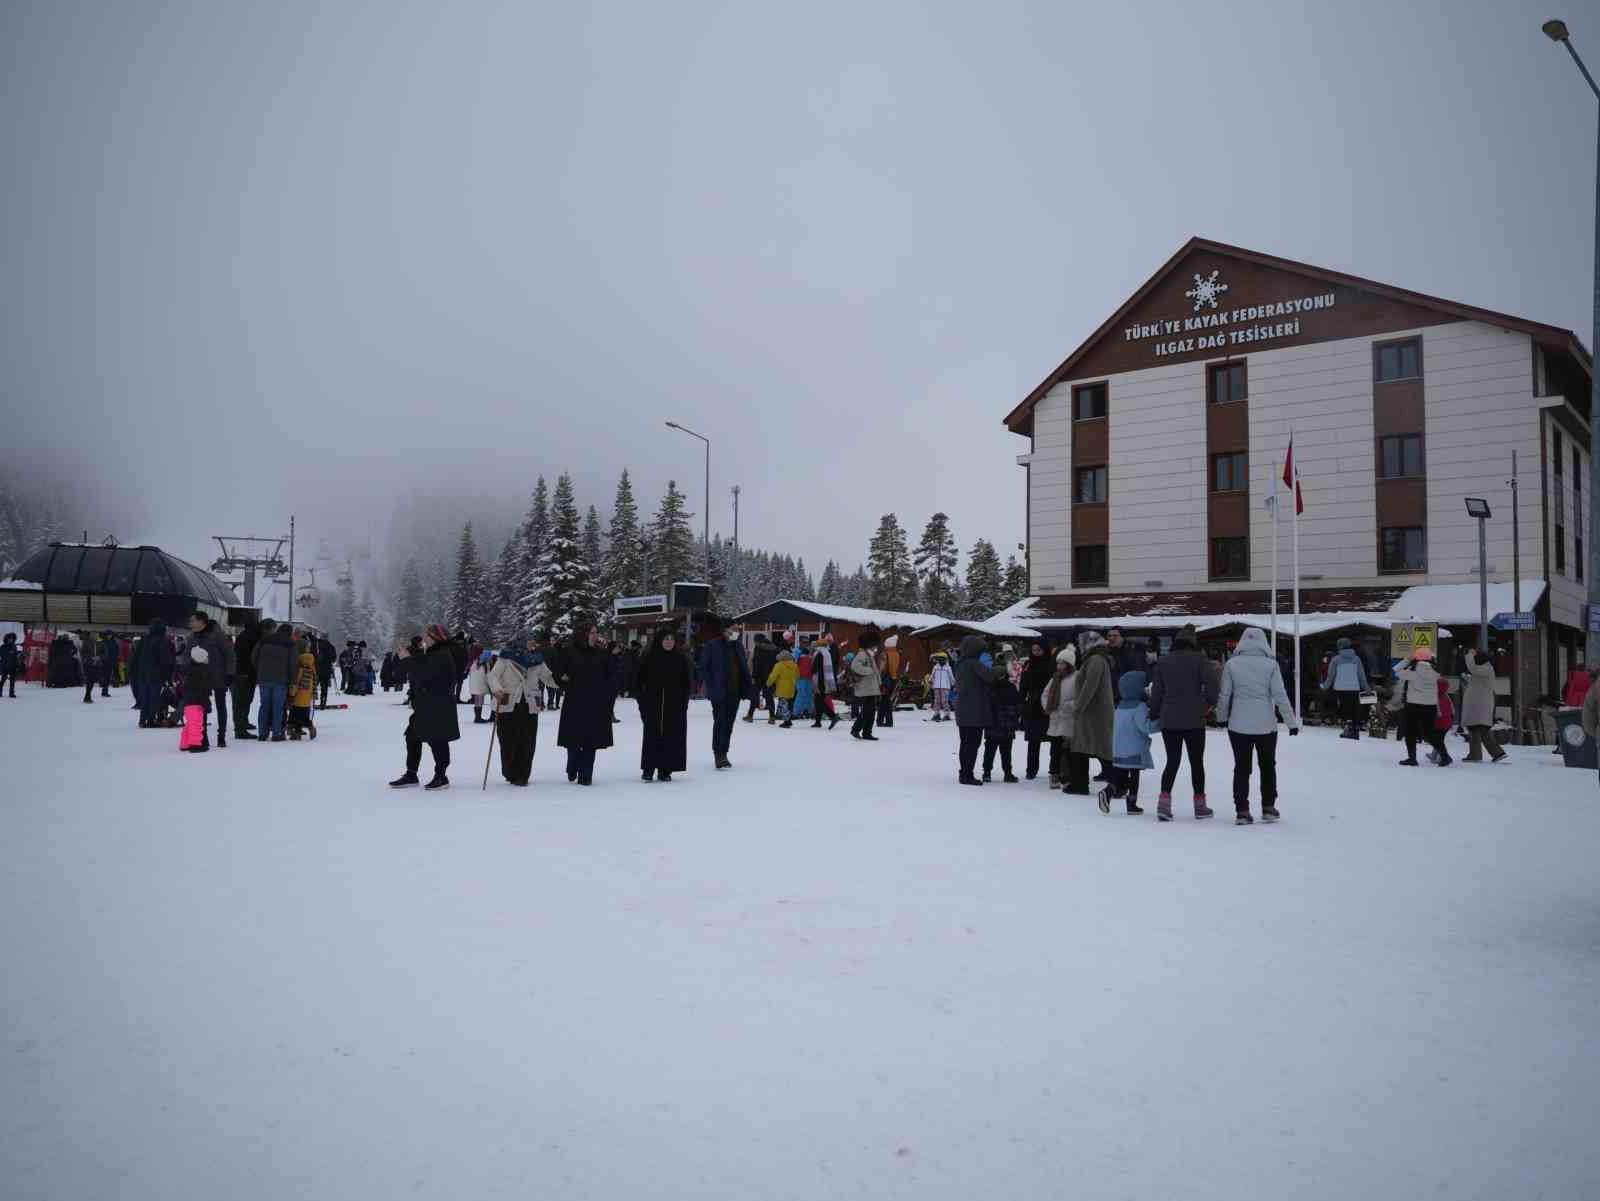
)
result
[(369, 261)]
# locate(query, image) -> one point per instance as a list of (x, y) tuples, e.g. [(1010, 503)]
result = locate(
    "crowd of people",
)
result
[(1091, 700)]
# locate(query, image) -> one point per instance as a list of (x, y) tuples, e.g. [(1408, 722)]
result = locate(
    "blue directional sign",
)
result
[(1512, 621)]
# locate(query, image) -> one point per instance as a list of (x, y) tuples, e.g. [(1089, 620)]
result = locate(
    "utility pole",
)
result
[(238, 554), (735, 582), (291, 568), (1516, 603)]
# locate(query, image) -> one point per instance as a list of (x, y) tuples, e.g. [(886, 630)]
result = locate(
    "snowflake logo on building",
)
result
[(1206, 290)]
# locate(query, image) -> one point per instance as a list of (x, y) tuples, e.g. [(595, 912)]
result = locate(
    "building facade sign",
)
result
[(1210, 327)]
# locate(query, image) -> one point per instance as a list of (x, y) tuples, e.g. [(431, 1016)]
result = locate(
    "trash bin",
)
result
[(1577, 748)]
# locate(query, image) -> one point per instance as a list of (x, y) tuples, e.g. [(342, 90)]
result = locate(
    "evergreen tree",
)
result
[(828, 589), (346, 616), (567, 582), (408, 604), (804, 589), (985, 583), (529, 589), (671, 542), (1015, 585), (936, 563), (624, 563), (595, 602), (858, 590), (504, 621), (370, 625), (465, 610), (894, 583)]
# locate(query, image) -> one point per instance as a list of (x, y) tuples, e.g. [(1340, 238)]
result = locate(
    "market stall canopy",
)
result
[(790, 612), (993, 628)]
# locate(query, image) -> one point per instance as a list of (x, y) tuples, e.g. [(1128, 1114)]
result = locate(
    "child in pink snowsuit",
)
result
[(196, 701)]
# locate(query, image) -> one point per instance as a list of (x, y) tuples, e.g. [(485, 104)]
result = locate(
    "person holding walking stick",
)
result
[(517, 684)]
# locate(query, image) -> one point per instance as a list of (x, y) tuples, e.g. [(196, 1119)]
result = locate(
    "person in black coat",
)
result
[(244, 676), (327, 656), (588, 687), (665, 682), (432, 676), (1185, 687), (762, 660), (1037, 673), (11, 666), (149, 668)]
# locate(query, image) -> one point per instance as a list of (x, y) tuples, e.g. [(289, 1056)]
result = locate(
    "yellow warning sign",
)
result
[(1408, 637)]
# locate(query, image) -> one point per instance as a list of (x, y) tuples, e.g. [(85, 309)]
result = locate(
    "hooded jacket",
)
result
[(1253, 694), (151, 662), (1058, 704), (1416, 683), (1036, 676), (1477, 706), (1006, 707), (1130, 740), (974, 704), (219, 653), (1346, 672), (781, 679), (276, 658), (1183, 686)]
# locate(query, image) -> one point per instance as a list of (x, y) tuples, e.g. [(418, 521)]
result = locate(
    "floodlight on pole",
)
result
[(1479, 508), (706, 536)]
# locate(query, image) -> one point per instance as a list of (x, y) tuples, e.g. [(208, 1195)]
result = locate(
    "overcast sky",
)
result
[(307, 255)]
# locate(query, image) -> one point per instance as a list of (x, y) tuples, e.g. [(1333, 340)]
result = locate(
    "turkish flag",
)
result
[(1291, 479)]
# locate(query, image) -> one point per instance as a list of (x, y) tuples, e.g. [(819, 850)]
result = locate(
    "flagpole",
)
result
[(1294, 499), (1274, 503)]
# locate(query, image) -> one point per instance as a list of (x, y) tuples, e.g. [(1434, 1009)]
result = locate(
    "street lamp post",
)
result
[(1556, 31), (1479, 508), (706, 537)]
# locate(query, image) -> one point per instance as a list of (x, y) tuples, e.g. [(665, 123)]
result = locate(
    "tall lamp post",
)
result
[(1479, 508), (1556, 31), (683, 429)]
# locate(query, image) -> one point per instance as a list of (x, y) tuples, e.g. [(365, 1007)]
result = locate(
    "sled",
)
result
[(320, 708)]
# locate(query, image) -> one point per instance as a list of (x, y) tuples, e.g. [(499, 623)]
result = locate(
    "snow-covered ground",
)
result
[(828, 973)]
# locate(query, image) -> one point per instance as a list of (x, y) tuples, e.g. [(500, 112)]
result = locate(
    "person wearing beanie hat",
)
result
[(941, 679), (196, 700), (1347, 680), (1068, 772)]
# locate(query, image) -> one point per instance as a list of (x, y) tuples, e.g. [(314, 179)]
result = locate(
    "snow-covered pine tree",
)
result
[(1015, 584), (671, 542), (465, 609), (594, 562), (858, 589), (408, 603), (623, 563), (346, 617), (370, 625), (828, 589), (894, 583), (936, 562), (985, 583), (806, 590), (567, 600), (503, 623), (718, 574), (529, 590)]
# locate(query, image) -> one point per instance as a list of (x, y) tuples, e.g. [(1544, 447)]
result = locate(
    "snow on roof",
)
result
[(995, 627), (1447, 604), (881, 618)]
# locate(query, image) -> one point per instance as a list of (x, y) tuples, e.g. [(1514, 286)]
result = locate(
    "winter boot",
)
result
[(277, 738), (988, 776), (199, 750), (1133, 807), (1201, 809), (786, 725), (313, 731), (969, 778), (1010, 779), (722, 762), (434, 785), (1103, 801), (1269, 813), (1055, 781), (833, 721), (222, 739), (406, 781), (294, 734), (1243, 818), (1408, 763), (1164, 807), (666, 777), (647, 776)]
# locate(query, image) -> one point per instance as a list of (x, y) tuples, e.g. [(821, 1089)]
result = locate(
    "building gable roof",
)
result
[(1019, 420)]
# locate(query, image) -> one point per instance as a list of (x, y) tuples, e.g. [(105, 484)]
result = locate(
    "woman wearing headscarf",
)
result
[(664, 684), (516, 684), (432, 676), (588, 690), (1037, 674)]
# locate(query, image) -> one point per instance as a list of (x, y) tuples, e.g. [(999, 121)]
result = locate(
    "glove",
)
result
[(1294, 731)]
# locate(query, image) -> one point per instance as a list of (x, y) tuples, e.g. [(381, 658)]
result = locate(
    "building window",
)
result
[(1559, 508), (1089, 565), (1230, 558), (1225, 383), (1399, 456), (1230, 472), (1403, 548), (1090, 488), (1398, 360), (1577, 515), (1089, 402)]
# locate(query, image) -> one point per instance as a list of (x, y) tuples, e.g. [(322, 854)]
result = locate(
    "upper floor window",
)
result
[(1090, 488), (1230, 472), (1230, 558), (1088, 402), (1398, 360), (1399, 456), (1226, 382), (1089, 565), (1403, 548)]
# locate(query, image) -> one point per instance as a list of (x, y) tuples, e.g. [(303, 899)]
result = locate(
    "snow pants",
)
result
[(724, 714), (867, 712), (971, 740), (997, 743), (194, 727), (441, 755), (244, 691), (1265, 748), (8, 677)]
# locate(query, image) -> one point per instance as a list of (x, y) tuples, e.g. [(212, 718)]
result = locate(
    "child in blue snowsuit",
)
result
[(1130, 743)]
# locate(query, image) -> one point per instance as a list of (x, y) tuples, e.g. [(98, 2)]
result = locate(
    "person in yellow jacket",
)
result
[(783, 681), (302, 694)]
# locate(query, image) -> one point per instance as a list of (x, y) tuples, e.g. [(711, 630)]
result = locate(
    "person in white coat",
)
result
[(1477, 709), (940, 681), (518, 682), (478, 686), (1249, 704)]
